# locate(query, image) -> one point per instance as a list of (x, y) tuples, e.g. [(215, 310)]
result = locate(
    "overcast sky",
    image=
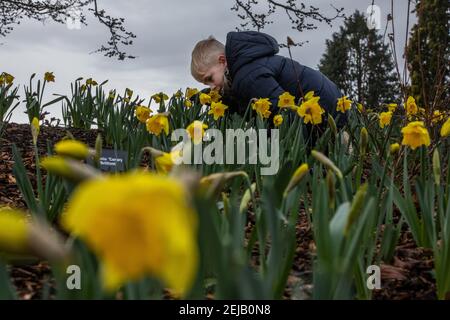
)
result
[(166, 30)]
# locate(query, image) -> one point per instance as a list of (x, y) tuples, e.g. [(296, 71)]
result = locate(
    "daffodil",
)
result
[(311, 111), (161, 96), (49, 77), (278, 120), (187, 103), (6, 78), (266, 114), (411, 106), (20, 236), (72, 149), (438, 116), (91, 82), (142, 113), (360, 107), (178, 94), (158, 123), (392, 107), (112, 94), (394, 148), (445, 130), (343, 104), (286, 100), (35, 129), (262, 106), (137, 225), (385, 118), (14, 231), (165, 162), (205, 98), (217, 110), (129, 92), (298, 175), (196, 131), (215, 96), (415, 135), (190, 92), (308, 95)]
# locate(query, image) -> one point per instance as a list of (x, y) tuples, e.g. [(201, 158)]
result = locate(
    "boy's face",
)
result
[(213, 76)]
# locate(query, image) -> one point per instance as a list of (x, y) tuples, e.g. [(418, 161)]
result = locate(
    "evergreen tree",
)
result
[(358, 61), (428, 54)]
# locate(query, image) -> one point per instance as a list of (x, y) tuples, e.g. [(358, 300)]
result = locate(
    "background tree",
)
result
[(12, 12), (428, 54), (359, 62)]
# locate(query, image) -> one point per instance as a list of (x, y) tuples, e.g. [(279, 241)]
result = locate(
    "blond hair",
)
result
[(205, 55)]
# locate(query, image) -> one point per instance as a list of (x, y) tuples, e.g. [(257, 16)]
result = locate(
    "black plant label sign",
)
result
[(113, 160)]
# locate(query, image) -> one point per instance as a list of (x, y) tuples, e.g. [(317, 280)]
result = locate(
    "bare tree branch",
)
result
[(302, 17), (12, 12)]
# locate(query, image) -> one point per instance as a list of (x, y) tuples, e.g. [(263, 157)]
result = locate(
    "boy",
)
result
[(248, 66)]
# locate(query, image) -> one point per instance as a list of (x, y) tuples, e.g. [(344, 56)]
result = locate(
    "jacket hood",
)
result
[(244, 47)]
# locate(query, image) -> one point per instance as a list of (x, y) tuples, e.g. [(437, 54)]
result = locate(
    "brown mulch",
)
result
[(408, 276)]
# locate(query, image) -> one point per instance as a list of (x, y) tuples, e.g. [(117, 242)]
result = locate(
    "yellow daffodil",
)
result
[(217, 110), (161, 96), (187, 103), (72, 149), (6, 78), (385, 118), (438, 116), (411, 106), (14, 231), (343, 104), (394, 148), (138, 225), (360, 107), (196, 131), (35, 129), (298, 175), (445, 130), (311, 111), (392, 107), (178, 94), (142, 113), (205, 98), (112, 94), (166, 161), (82, 88), (266, 114), (286, 100), (91, 82), (49, 77), (57, 165), (415, 135), (190, 92), (308, 95), (158, 123), (129, 92), (262, 106), (215, 96), (278, 120)]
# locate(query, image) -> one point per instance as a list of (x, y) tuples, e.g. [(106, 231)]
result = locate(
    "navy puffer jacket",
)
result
[(257, 71)]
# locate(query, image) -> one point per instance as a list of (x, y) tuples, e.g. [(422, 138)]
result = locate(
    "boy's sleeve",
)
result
[(261, 83)]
